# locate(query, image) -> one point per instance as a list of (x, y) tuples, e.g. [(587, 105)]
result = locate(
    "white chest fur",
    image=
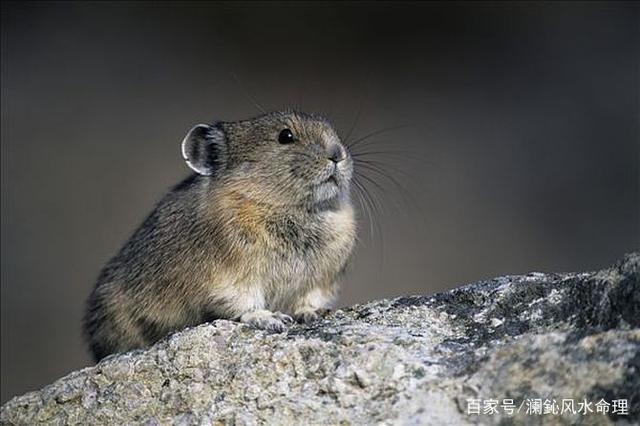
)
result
[(287, 263), (310, 263)]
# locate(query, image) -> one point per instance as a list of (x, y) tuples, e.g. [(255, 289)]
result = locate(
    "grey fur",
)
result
[(259, 234)]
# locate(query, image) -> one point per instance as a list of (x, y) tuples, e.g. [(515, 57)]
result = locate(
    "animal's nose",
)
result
[(336, 153)]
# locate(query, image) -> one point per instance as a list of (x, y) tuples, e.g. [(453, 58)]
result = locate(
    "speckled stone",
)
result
[(411, 360)]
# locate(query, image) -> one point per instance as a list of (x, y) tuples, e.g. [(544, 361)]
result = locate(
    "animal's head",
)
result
[(283, 158)]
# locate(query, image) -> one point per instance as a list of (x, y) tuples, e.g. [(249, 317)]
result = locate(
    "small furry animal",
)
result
[(259, 233)]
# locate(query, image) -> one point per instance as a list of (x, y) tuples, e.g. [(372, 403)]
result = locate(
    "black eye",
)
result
[(285, 136)]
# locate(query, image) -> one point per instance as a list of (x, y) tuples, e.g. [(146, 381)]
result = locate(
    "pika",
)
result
[(259, 232)]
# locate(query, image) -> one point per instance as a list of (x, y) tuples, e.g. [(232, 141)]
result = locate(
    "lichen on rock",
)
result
[(409, 360)]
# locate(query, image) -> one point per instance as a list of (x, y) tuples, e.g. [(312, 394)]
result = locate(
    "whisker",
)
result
[(406, 195), (373, 182), (355, 122), (403, 160), (382, 166), (373, 204), (355, 143), (365, 204), (374, 225), (379, 186), (248, 95)]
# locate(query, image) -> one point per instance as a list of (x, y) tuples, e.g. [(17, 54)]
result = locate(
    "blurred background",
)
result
[(520, 151)]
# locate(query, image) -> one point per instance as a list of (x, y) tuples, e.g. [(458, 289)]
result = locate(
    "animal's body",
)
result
[(259, 233)]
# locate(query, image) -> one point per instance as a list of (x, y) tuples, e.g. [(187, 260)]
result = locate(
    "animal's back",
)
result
[(138, 297)]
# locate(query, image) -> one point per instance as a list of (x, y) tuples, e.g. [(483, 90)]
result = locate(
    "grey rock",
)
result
[(409, 360)]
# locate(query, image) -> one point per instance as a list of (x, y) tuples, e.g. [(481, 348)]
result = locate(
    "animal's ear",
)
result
[(204, 149)]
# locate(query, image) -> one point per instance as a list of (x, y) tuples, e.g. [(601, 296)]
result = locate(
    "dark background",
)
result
[(522, 151)]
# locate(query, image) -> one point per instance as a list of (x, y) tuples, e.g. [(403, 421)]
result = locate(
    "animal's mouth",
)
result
[(335, 181), (335, 176)]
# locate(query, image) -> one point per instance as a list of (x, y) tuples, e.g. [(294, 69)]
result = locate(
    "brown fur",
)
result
[(259, 233)]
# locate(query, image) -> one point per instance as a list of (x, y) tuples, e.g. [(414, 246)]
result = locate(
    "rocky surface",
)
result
[(410, 360)]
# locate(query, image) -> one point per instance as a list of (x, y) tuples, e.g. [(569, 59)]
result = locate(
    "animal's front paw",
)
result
[(323, 312), (308, 315), (267, 320)]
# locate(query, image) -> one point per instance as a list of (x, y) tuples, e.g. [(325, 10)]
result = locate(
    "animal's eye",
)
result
[(285, 136)]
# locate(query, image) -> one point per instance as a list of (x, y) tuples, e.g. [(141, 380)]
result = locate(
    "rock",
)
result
[(410, 360)]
